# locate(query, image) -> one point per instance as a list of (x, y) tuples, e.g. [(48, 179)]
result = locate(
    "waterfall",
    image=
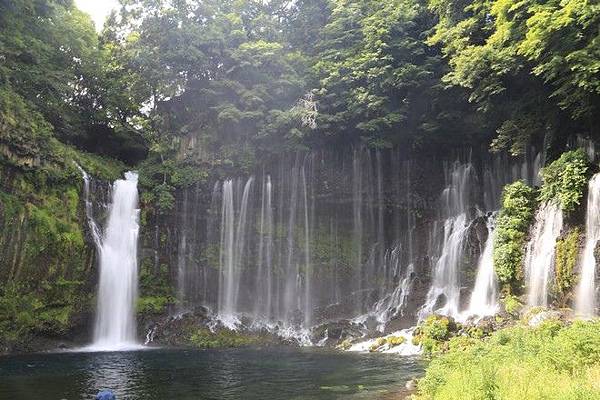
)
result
[(357, 221), (539, 259), (264, 276), (117, 289), (484, 299), (585, 300), (444, 295), (233, 245), (307, 266), (89, 209)]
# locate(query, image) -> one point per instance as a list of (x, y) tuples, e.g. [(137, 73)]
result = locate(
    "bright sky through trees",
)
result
[(98, 9)]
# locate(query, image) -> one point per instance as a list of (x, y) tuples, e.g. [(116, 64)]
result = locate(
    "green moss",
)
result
[(434, 332), (205, 339), (565, 179), (345, 345), (567, 251), (512, 225), (512, 305), (377, 344), (153, 304), (156, 290), (45, 263)]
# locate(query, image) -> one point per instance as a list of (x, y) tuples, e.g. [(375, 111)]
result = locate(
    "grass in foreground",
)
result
[(548, 362)]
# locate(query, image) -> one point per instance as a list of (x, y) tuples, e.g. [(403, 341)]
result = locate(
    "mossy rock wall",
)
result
[(47, 263)]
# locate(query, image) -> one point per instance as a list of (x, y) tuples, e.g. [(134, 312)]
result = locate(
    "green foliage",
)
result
[(432, 333), (567, 252), (548, 362), (512, 305), (153, 304), (205, 339), (565, 179), (523, 63), (512, 225), (160, 178), (155, 284), (379, 343), (52, 76)]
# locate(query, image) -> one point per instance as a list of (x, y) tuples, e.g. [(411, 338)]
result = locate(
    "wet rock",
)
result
[(333, 333), (411, 385), (537, 318)]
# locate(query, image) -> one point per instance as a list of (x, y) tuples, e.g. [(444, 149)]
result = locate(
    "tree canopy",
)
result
[(223, 82)]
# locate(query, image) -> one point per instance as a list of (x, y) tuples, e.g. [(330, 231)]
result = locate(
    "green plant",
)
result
[(518, 203), (153, 304), (565, 179), (205, 339), (433, 332), (512, 305), (567, 251), (551, 361)]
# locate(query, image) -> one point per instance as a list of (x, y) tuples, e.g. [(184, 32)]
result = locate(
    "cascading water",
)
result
[(484, 299), (233, 246), (585, 300), (264, 277), (539, 259), (312, 238), (444, 295), (117, 289), (89, 212)]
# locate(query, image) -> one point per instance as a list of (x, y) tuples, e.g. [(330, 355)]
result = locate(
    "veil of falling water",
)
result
[(585, 300), (539, 258), (484, 299), (444, 294), (314, 236)]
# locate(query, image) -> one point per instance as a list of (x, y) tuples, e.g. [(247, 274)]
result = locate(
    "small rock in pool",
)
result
[(105, 395), (411, 385)]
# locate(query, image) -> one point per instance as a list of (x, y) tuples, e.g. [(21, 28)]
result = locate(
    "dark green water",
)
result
[(174, 374)]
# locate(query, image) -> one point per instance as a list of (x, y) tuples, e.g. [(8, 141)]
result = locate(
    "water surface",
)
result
[(169, 374)]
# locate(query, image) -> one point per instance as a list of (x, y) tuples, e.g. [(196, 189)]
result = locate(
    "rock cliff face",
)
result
[(303, 239), (47, 259), (309, 238)]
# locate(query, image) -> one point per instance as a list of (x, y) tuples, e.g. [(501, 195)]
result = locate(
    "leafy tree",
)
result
[(523, 62)]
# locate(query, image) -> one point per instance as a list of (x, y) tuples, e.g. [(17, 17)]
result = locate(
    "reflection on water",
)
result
[(248, 374), (119, 372)]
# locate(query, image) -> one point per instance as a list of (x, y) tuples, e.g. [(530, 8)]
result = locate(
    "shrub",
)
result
[(512, 305), (518, 203), (205, 339), (547, 362), (153, 304), (567, 251), (433, 332), (565, 179), (396, 340)]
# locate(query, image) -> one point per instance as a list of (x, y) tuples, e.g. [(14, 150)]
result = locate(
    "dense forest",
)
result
[(192, 93)]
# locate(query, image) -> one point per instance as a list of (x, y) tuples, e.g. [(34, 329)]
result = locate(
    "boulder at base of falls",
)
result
[(333, 333)]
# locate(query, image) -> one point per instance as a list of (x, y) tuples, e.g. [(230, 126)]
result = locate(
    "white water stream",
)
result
[(585, 300), (115, 327), (539, 259), (484, 299)]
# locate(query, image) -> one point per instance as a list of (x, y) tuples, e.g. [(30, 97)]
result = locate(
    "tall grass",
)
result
[(550, 362)]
